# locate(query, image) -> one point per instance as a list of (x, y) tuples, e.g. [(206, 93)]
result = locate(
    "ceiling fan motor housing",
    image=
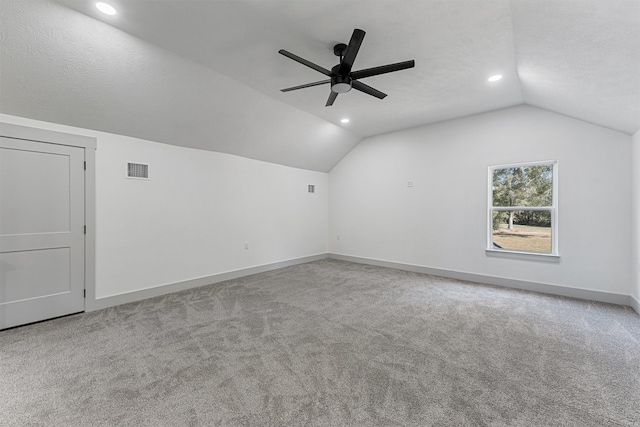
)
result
[(340, 84)]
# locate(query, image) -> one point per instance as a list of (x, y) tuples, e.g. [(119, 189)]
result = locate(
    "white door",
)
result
[(41, 231)]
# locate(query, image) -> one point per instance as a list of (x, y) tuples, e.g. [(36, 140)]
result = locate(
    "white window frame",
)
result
[(491, 250)]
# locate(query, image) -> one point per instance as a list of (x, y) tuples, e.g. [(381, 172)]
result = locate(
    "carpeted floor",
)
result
[(329, 343)]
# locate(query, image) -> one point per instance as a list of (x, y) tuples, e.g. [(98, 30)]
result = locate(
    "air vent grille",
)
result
[(137, 170), (312, 188)]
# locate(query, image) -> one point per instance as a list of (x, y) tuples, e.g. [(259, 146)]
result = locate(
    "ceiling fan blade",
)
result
[(305, 62), (351, 52), (332, 97), (368, 72), (367, 89), (307, 85)]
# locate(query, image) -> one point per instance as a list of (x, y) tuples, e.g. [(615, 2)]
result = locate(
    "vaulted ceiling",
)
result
[(207, 74)]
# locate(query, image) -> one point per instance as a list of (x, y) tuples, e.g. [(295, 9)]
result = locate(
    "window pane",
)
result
[(526, 231), (523, 186)]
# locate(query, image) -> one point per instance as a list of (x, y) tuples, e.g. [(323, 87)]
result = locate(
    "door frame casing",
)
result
[(89, 144)]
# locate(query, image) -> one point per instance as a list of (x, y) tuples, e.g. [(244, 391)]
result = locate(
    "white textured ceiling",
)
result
[(208, 74)]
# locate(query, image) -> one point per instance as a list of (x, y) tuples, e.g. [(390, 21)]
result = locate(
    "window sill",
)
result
[(528, 256)]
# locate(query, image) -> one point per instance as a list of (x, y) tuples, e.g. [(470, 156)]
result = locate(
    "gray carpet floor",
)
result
[(329, 343)]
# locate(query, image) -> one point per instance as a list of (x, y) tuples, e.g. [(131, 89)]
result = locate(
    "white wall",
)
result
[(441, 222), (192, 218), (635, 211)]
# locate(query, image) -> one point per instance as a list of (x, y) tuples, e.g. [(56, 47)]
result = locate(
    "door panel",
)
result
[(43, 174), (41, 231), (22, 272)]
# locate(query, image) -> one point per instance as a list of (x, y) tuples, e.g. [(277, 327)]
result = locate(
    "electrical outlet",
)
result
[(246, 245), (409, 183)]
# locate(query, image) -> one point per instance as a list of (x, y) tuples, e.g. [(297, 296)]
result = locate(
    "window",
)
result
[(523, 208)]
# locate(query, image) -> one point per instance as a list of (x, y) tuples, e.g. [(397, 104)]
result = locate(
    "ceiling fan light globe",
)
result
[(341, 88)]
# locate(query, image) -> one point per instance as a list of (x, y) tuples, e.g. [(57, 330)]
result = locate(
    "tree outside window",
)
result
[(523, 208)]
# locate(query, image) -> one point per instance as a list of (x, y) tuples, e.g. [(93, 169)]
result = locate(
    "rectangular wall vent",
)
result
[(137, 170), (312, 188)]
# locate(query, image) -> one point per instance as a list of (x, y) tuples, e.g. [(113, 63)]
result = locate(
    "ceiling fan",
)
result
[(341, 77)]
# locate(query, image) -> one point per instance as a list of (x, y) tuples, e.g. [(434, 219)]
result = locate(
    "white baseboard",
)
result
[(608, 297), (635, 304), (612, 298), (100, 303)]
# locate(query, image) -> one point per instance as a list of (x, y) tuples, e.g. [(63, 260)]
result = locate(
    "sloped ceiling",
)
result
[(207, 74)]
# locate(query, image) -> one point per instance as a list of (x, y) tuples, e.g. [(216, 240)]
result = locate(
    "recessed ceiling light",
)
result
[(495, 78), (105, 8), (344, 121)]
